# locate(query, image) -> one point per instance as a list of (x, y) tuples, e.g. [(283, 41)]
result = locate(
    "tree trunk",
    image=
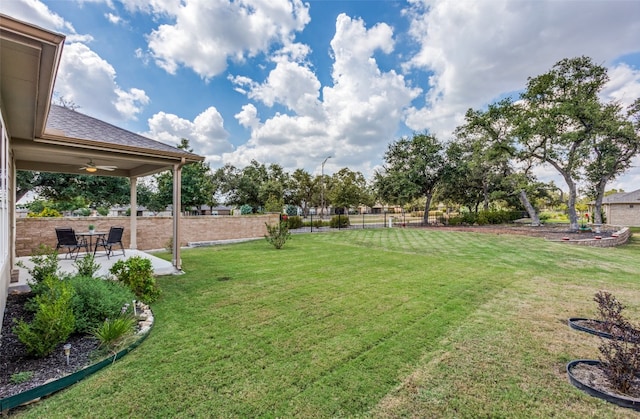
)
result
[(535, 220), (571, 204), (597, 210), (427, 205), (485, 195)]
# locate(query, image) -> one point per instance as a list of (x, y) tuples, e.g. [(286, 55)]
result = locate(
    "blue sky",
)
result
[(292, 82)]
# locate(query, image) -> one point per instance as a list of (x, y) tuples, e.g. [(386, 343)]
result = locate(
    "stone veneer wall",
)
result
[(152, 232), (624, 214)]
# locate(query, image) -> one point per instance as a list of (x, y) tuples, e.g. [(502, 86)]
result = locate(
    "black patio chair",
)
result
[(114, 237), (67, 239)]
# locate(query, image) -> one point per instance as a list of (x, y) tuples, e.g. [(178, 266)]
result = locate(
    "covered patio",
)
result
[(39, 136)]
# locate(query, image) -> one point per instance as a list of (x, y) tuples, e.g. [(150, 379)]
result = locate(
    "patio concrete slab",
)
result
[(67, 265)]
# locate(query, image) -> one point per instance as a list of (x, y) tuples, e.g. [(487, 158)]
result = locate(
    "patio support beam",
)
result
[(133, 216), (177, 207)]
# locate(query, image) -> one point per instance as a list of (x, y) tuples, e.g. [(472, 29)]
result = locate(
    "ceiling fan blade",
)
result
[(109, 168)]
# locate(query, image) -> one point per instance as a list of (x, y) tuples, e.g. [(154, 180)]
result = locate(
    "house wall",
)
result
[(152, 232), (623, 214), (6, 193)]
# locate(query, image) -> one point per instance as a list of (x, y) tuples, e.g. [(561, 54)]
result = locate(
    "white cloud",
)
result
[(356, 118), (248, 117), (623, 86), (206, 133), (115, 19), (89, 81), (479, 50), (292, 85), (37, 13), (206, 34)]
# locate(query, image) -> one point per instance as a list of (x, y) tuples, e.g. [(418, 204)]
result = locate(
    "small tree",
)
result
[(278, 234), (137, 273), (53, 321), (620, 356)]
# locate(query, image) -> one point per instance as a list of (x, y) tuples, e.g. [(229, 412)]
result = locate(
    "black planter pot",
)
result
[(621, 401)]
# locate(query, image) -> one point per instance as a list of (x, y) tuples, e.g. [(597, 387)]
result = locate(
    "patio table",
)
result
[(91, 234)]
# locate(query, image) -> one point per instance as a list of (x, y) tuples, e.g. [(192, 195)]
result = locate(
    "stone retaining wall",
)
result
[(152, 232), (616, 239)]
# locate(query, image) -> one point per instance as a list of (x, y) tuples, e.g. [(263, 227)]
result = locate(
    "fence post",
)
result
[(311, 215)]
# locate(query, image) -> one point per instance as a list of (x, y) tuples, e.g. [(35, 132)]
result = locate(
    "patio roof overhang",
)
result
[(50, 138)]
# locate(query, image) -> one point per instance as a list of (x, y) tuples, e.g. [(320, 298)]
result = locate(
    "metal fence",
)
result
[(362, 221)]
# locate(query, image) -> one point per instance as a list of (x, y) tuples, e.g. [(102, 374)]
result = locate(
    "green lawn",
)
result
[(380, 323)]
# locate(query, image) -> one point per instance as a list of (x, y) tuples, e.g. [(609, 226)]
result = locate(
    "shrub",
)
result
[(104, 211), (87, 266), (482, 219), (21, 377), (339, 221), (137, 273), (469, 218), (45, 213), (113, 331), (45, 263), (294, 222), (53, 321), (97, 299), (277, 234), (85, 212), (620, 358), (246, 209), (455, 221)]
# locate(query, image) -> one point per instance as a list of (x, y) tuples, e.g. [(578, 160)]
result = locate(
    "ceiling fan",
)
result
[(91, 167)]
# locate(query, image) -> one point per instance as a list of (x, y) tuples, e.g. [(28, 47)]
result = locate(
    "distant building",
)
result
[(622, 209)]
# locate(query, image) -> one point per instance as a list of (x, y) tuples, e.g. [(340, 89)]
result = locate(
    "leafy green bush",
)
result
[(137, 273), (294, 222), (45, 213), (97, 299), (53, 321), (104, 211), (87, 266), (277, 234), (21, 377), (113, 331), (85, 212), (246, 209), (45, 263), (315, 223), (339, 221)]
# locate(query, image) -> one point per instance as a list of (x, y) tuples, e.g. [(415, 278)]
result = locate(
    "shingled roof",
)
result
[(66, 122), (623, 198)]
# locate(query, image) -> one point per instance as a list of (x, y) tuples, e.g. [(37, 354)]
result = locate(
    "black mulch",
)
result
[(14, 358)]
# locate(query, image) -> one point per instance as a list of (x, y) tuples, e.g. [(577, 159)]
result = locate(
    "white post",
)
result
[(133, 224)]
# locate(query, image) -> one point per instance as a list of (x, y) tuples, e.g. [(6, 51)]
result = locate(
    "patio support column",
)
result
[(177, 199), (133, 220)]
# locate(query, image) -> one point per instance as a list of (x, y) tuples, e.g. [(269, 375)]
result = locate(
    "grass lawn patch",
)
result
[(381, 323)]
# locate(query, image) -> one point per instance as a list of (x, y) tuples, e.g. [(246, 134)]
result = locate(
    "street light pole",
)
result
[(322, 190)]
